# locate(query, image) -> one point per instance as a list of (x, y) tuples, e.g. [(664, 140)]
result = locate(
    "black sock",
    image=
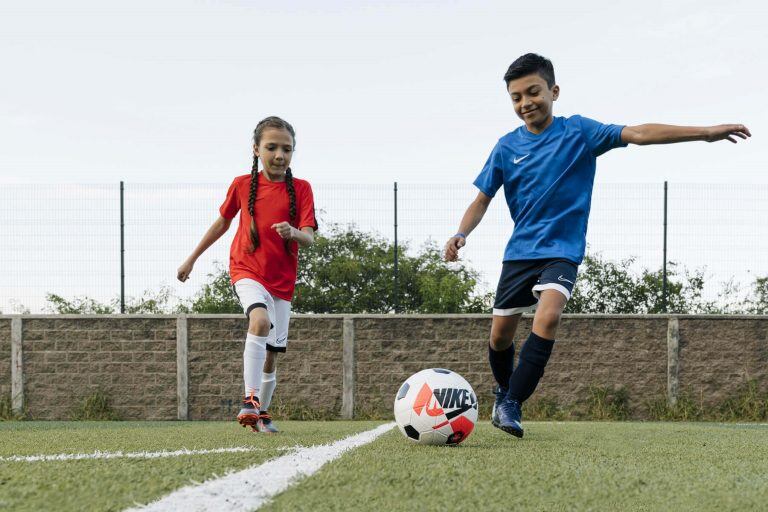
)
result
[(533, 358), (502, 362)]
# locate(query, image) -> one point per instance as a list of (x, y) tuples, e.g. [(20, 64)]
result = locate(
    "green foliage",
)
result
[(97, 407), (612, 287), (686, 409), (749, 404), (349, 271), (151, 303), (297, 409), (757, 303), (547, 409), (217, 295), (7, 413), (77, 306), (607, 404)]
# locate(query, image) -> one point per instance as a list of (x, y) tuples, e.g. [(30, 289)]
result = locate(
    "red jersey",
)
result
[(270, 264)]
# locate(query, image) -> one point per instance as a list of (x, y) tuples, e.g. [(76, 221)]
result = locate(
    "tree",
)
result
[(217, 295), (150, 302), (608, 287), (349, 271)]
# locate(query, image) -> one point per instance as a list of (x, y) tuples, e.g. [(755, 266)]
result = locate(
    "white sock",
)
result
[(268, 384), (253, 362)]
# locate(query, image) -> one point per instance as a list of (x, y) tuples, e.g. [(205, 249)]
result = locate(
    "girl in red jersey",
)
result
[(277, 216)]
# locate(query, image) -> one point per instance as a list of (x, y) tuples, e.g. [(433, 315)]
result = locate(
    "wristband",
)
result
[(462, 235)]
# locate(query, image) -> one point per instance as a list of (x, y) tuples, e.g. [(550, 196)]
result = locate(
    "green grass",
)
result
[(114, 484), (557, 466)]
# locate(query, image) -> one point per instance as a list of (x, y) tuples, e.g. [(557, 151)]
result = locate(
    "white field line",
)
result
[(132, 455), (251, 488)]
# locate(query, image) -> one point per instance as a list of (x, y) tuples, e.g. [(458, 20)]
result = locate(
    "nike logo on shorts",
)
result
[(561, 278)]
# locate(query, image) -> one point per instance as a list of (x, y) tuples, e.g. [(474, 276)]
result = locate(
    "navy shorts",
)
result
[(522, 281)]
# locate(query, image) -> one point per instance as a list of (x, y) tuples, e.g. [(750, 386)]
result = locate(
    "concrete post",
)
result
[(673, 360), (348, 377), (182, 368)]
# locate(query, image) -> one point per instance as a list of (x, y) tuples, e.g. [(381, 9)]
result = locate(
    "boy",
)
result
[(547, 168)]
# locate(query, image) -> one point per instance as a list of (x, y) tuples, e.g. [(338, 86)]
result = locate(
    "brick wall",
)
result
[(308, 375), (716, 358), (67, 358)]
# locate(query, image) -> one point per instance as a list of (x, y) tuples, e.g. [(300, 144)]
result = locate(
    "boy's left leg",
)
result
[(537, 349), (553, 291)]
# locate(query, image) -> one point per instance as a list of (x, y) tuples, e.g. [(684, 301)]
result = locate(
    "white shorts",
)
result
[(252, 294)]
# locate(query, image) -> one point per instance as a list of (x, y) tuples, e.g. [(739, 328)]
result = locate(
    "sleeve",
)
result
[(600, 137), (231, 204), (306, 211), (491, 177)]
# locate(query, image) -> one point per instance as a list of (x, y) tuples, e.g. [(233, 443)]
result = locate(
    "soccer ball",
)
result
[(436, 406)]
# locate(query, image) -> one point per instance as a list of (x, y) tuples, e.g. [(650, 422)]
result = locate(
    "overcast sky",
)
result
[(170, 91)]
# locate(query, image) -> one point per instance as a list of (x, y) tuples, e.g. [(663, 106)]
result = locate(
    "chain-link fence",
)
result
[(66, 239)]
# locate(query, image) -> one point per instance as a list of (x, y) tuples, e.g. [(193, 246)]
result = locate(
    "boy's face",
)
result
[(532, 100)]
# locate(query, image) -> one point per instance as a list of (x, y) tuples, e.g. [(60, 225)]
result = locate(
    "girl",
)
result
[(277, 216)]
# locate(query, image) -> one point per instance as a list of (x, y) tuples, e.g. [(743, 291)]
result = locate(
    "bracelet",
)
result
[(462, 235)]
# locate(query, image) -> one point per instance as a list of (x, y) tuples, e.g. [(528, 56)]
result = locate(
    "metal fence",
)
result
[(66, 239)]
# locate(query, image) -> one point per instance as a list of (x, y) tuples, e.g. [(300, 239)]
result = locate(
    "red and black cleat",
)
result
[(249, 414)]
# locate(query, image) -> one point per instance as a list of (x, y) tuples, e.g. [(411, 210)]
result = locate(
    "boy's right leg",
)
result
[(501, 356)]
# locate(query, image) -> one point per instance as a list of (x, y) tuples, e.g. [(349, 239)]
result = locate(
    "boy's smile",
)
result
[(532, 100)]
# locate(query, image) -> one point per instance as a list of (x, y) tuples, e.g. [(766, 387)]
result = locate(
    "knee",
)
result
[(549, 317), (500, 342), (258, 325)]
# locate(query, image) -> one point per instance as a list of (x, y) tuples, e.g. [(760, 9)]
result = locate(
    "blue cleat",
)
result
[(510, 416), (500, 393)]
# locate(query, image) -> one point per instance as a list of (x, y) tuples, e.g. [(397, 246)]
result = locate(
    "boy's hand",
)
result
[(184, 270), (284, 229), (727, 131), (452, 247)]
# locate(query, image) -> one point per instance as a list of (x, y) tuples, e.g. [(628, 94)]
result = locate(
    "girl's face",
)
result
[(275, 150)]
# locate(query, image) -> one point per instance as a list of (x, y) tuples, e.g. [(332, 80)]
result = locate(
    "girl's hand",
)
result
[(727, 131), (285, 230), (452, 247), (184, 270)]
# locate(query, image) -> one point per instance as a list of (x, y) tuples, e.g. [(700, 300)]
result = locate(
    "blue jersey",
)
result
[(547, 181)]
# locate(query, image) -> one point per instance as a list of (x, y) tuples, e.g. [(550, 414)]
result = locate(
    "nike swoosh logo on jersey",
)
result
[(561, 278), (518, 160)]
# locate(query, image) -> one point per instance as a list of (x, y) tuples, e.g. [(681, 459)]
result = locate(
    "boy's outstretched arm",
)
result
[(471, 219), (644, 134)]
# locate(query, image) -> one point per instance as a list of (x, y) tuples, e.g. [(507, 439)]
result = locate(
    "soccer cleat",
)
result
[(510, 417), (500, 393), (249, 414), (265, 424)]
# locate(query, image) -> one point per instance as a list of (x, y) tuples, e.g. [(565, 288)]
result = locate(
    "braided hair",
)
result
[(270, 122)]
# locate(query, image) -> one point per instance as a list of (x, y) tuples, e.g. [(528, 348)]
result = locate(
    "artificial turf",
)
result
[(556, 466), (115, 484)]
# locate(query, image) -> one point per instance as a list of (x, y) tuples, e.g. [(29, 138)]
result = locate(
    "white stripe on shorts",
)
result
[(513, 311), (551, 286)]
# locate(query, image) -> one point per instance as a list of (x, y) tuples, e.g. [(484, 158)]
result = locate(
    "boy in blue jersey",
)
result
[(547, 169)]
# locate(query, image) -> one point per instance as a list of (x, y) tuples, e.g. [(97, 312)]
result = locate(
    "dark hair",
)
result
[(270, 122), (528, 64)]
